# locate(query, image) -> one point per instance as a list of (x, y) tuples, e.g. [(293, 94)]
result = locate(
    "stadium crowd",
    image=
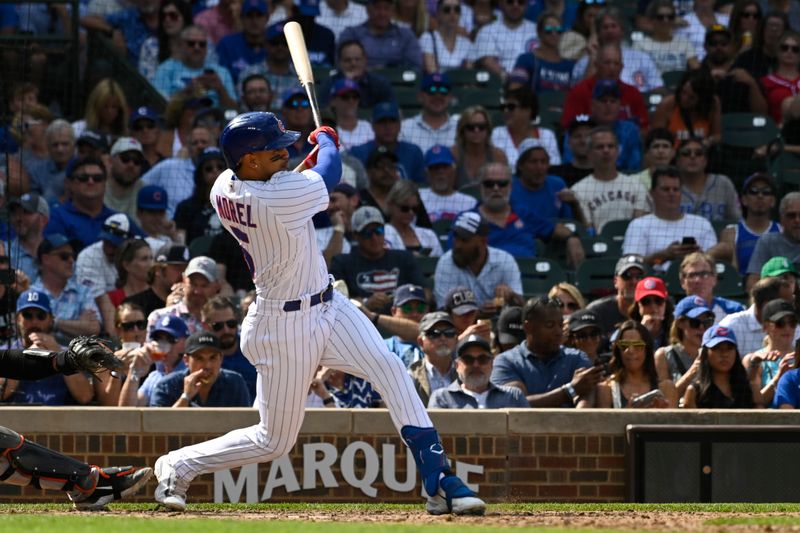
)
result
[(540, 205)]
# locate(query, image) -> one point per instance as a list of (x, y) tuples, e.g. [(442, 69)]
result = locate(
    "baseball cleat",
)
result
[(456, 498), (113, 483), (167, 492)]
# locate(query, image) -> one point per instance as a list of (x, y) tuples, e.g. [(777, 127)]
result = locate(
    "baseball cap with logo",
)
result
[(581, 121), (408, 293), (172, 254), (200, 340), (143, 112), (717, 335), (509, 326), (437, 79), (473, 340), (126, 144), (202, 265), (343, 86), (366, 215), (460, 301), (776, 309), (33, 298), (31, 202), (777, 266), (385, 110), (468, 224), (431, 319), (717, 29), (650, 286), (629, 261), (758, 176), (55, 241), (116, 229), (691, 307), (254, 6), (439, 155), (152, 197), (604, 88), (380, 153), (582, 319), (171, 325)]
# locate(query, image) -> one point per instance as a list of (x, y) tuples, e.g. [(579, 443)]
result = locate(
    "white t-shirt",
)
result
[(445, 58), (667, 56), (427, 239), (638, 69), (446, 207), (361, 134), (695, 32), (417, 131), (94, 271), (506, 44), (616, 199), (649, 234), (353, 15), (501, 138)]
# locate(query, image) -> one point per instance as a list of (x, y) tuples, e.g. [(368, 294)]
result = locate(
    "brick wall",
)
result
[(526, 455)]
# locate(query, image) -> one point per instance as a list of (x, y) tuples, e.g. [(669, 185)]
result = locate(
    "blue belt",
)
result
[(324, 296)]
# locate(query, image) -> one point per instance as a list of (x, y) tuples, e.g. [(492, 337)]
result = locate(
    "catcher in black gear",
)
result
[(24, 463)]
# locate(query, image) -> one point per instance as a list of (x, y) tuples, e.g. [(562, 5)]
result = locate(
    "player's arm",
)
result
[(325, 160)]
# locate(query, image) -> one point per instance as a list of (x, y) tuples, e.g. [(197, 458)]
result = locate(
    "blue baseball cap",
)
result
[(55, 241), (34, 298), (309, 8), (437, 79), (439, 155), (172, 325), (294, 92), (152, 197), (716, 335), (692, 307), (344, 86), (385, 110), (143, 112), (116, 229), (275, 31), (605, 88), (408, 293), (257, 6)]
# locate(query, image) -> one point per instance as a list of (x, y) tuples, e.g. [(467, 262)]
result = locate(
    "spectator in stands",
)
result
[(256, 93), (784, 81), (47, 175), (653, 309), (28, 128), (758, 202), (133, 261), (74, 309), (473, 388), (94, 267), (491, 274), (320, 41), (176, 174), (130, 322), (28, 216), (437, 339), (408, 307), (221, 317), (386, 127), (474, 147), (277, 68), (173, 16), (167, 270), (633, 372), (337, 15), (173, 138), (781, 267), (613, 309), (372, 273), (386, 44), (576, 41), (638, 68), (352, 64), (508, 332), (35, 318), (434, 125), (127, 166), (441, 200), (762, 57), (583, 332), (335, 239), (296, 114), (414, 15), (200, 283), (352, 130), (723, 383), (219, 20), (144, 127), (543, 69), (192, 69), (737, 90), (106, 112), (382, 174), (499, 43), (570, 297), (787, 394), (345, 391), (405, 211), (237, 51), (462, 306), (445, 47), (195, 216), (698, 277), (667, 234), (693, 111), (743, 24), (92, 143), (578, 131), (659, 146), (712, 196), (702, 16), (669, 52), (607, 194), (151, 210), (128, 27), (548, 373), (783, 244), (520, 109)]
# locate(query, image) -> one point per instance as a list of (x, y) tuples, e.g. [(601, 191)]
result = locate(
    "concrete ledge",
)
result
[(120, 420), (475, 422)]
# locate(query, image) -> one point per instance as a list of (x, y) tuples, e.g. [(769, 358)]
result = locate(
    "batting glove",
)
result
[(312, 138)]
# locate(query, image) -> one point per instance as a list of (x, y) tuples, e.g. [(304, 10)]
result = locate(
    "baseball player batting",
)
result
[(298, 322)]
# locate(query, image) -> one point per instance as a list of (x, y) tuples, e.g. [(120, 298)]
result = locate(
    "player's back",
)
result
[(271, 220)]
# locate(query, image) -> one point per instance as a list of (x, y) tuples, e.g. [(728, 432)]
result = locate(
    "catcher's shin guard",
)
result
[(27, 463)]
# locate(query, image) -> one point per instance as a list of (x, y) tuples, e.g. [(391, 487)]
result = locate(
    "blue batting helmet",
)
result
[(254, 132)]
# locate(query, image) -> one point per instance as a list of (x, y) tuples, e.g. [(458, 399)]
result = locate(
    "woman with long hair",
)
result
[(723, 382), (669, 52), (693, 111), (474, 147), (784, 81), (173, 16), (575, 43), (445, 47), (520, 111), (404, 205), (762, 58), (133, 260), (543, 69), (570, 297), (195, 216), (653, 308), (744, 21), (412, 14), (633, 373), (107, 111)]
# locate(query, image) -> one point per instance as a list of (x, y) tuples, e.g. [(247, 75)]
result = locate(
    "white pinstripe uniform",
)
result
[(272, 222)]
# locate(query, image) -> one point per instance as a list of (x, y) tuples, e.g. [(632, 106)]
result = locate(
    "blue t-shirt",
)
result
[(542, 203), (48, 391), (239, 363), (519, 235), (236, 55), (320, 43), (746, 242), (788, 390), (410, 160), (229, 390), (630, 147), (544, 76), (537, 7), (73, 224), (133, 29)]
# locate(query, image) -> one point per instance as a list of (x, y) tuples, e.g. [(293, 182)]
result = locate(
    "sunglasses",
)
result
[(495, 184), (195, 43), (553, 29), (751, 15), (407, 208), (693, 153), (215, 167), (703, 274), (144, 125), (650, 300), (481, 126), (705, 323), (33, 315), (84, 178), (586, 335), (572, 306), (790, 47), (64, 256), (665, 17), (128, 158), (762, 191), (450, 333), (469, 360), (507, 108), (628, 276), (368, 233), (301, 103), (134, 324), (786, 321), (414, 307), (230, 324), (171, 15), (438, 89), (718, 42), (624, 345), (447, 9)]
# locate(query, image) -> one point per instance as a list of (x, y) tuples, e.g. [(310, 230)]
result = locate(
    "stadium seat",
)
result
[(200, 245), (408, 100), (595, 277), (399, 77), (442, 230), (472, 96), (672, 78), (742, 133), (785, 170), (470, 77), (428, 267), (539, 275), (600, 247), (614, 230)]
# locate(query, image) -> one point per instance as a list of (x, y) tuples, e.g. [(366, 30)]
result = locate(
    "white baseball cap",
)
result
[(126, 144), (202, 265), (366, 215)]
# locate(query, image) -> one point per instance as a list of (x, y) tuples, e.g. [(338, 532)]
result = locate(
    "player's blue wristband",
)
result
[(329, 162)]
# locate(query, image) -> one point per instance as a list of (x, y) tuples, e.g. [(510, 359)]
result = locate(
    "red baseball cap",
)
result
[(650, 286)]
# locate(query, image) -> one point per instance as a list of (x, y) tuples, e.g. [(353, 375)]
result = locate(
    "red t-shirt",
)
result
[(777, 89), (579, 102)]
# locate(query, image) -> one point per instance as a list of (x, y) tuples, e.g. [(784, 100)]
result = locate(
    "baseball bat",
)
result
[(302, 65)]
